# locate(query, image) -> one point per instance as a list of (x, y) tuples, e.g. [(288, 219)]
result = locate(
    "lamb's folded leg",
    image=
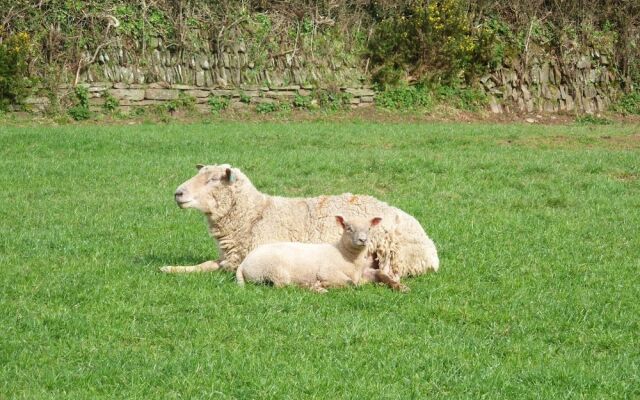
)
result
[(317, 287), (382, 272), (206, 266), (392, 283), (368, 275)]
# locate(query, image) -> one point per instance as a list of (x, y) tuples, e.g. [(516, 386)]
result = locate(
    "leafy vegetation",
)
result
[(302, 102), (81, 111), (589, 119), (267, 107), (218, 103), (436, 38), (629, 103), (426, 96), (183, 102), (536, 228), (245, 98), (14, 82), (332, 99), (463, 98), (111, 104), (405, 98)]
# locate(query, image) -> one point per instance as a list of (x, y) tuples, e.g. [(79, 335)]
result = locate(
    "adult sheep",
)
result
[(240, 218)]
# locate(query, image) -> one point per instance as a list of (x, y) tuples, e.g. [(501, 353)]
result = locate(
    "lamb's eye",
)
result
[(213, 179)]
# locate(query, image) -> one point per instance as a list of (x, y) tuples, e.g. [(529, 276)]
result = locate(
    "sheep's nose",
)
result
[(179, 192)]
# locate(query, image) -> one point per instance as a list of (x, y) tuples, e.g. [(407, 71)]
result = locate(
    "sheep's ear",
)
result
[(375, 221), (340, 220), (230, 175), (199, 166)]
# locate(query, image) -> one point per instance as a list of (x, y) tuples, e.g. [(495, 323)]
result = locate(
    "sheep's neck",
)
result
[(350, 253), (242, 215)]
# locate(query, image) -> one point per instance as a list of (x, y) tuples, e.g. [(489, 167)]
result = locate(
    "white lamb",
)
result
[(315, 266), (241, 218)]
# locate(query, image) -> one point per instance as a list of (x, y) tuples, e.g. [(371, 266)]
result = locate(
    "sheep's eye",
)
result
[(213, 179)]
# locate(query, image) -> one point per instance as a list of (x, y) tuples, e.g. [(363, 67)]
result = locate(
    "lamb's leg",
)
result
[(317, 287), (385, 275), (368, 275), (346, 281), (336, 280), (392, 283), (385, 268), (206, 266), (240, 276)]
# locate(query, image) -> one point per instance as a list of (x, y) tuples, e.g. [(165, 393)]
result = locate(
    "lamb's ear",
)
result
[(375, 221), (340, 220), (199, 166), (230, 175)]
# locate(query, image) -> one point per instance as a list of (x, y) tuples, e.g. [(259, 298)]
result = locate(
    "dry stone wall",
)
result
[(583, 83), (130, 96), (206, 65), (586, 83), (162, 74)]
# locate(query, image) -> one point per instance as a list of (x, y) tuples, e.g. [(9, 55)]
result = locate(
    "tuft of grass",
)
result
[(537, 296)]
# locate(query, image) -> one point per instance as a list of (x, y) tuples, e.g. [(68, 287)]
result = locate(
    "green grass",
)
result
[(537, 296)]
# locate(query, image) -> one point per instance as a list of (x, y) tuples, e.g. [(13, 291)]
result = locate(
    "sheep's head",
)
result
[(211, 190), (355, 232)]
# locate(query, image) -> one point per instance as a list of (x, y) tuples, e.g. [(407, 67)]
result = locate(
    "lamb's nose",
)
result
[(179, 193)]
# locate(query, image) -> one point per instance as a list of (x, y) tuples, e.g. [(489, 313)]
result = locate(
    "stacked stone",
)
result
[(140, 95), (586, 84), (208, 66), (583, 83)]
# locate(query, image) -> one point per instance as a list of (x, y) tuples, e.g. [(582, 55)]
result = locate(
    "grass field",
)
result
[(537, 296)]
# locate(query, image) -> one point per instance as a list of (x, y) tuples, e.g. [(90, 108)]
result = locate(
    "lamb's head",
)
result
[(211, 190), (355, 234)]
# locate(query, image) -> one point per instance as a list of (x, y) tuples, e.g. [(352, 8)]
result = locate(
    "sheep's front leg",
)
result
[(206, 266), (381, 276)]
